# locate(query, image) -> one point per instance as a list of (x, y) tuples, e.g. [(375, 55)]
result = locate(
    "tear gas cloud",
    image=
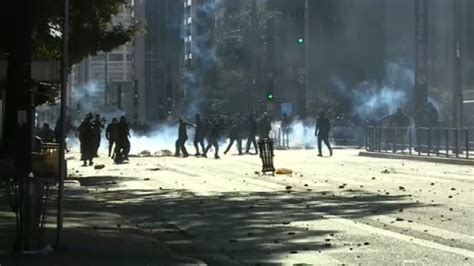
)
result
[(373, 100)]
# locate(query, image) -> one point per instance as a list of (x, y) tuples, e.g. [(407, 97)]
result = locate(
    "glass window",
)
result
[(115, 57)]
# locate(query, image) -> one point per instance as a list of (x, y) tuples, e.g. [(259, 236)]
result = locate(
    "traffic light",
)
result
[(270, 96), (300, 40)]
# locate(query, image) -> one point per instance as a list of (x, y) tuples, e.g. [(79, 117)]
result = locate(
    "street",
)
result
[(344, 209)]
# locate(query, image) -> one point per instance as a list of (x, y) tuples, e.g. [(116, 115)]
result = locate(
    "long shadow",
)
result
[(251, 226)]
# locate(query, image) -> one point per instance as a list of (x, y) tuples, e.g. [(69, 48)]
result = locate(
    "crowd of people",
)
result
[(117, 134), (208, 132)]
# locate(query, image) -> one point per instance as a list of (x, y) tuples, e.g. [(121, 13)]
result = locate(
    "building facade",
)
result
[(105, 83)]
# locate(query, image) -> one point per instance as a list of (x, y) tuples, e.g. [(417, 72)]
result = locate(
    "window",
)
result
[(99, 57), (115, 57)]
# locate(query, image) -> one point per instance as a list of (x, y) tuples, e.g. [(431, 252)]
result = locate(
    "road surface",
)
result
[(331, 211)]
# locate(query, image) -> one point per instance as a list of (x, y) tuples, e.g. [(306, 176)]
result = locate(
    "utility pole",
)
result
[(301, 22), (62, 143), (106, 79), (255, 59), (457, 68), (421, 61)]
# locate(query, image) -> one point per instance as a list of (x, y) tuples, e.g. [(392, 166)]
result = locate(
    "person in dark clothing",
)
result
[(46, 133), (199, 135), (213, 138), (98, 125), (251, 133), (399, 124), (122, 143), (431, 115), (111, 135), (86, 138), (323, 127), (182, 138), (235, 134), (264, 127), (285, 130)]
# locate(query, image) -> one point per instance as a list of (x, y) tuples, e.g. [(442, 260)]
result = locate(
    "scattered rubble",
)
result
[(284, 171), (163, 153), (99, 167)]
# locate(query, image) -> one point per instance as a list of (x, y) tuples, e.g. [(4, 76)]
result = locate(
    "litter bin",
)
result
[(266, 154), (45, 163)]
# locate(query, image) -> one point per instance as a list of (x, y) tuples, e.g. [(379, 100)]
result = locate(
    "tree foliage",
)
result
[(91, 28), (240, 43)]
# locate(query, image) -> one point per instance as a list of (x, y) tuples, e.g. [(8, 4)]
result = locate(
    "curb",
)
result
[(455, 161)]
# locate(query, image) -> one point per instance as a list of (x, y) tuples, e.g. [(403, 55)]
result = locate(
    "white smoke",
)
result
[(372, 99)]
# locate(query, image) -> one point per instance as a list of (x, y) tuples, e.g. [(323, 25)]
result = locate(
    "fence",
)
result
[(422, 141)]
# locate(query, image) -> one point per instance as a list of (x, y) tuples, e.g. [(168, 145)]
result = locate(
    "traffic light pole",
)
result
[(62, 123)]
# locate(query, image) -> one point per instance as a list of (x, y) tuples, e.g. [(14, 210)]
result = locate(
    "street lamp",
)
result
[(62, 123)]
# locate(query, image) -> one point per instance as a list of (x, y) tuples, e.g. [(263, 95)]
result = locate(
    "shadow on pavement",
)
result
[(248, 226)]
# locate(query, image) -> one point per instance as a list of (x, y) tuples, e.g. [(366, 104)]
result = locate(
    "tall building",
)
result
[(105, 82), (200, 63), (158, 58)]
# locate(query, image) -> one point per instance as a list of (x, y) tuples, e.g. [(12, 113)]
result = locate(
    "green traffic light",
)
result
[(300, 40), (270, 96)]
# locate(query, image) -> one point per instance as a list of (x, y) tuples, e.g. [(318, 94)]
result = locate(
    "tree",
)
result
[(240, 43), (91, 28)]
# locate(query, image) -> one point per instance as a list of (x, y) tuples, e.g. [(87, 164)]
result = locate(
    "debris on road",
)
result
[(386, 171), (99, 167), (284, 171), (163, 153)]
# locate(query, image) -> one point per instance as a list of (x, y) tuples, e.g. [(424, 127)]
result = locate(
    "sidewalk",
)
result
[(432, 159), (94, 237)]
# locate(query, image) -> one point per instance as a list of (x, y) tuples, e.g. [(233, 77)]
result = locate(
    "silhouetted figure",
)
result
[(68, 127), (111, 135), (98, 125), (431, 115), (235, 134), (251, 127), (213, 138), (285, 130), (400, 119), (122, 144), (182, 138), (199, 135), (46, 133), (323, 127), (264, 127), (399, 123), (86, 137)]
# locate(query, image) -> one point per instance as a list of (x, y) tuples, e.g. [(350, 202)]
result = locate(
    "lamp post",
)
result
[(62, 123)]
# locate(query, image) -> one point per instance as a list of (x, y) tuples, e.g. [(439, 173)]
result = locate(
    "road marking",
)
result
[(410, 239), (434, 231)]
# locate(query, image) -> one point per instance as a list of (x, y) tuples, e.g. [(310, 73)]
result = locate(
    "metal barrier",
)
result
[(266, 154), (423, 141)]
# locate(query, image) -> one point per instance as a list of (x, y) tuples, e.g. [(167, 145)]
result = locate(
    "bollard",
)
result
[(266, 154)]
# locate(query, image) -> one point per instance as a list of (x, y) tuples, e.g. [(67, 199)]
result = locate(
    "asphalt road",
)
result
[(331, 211)]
